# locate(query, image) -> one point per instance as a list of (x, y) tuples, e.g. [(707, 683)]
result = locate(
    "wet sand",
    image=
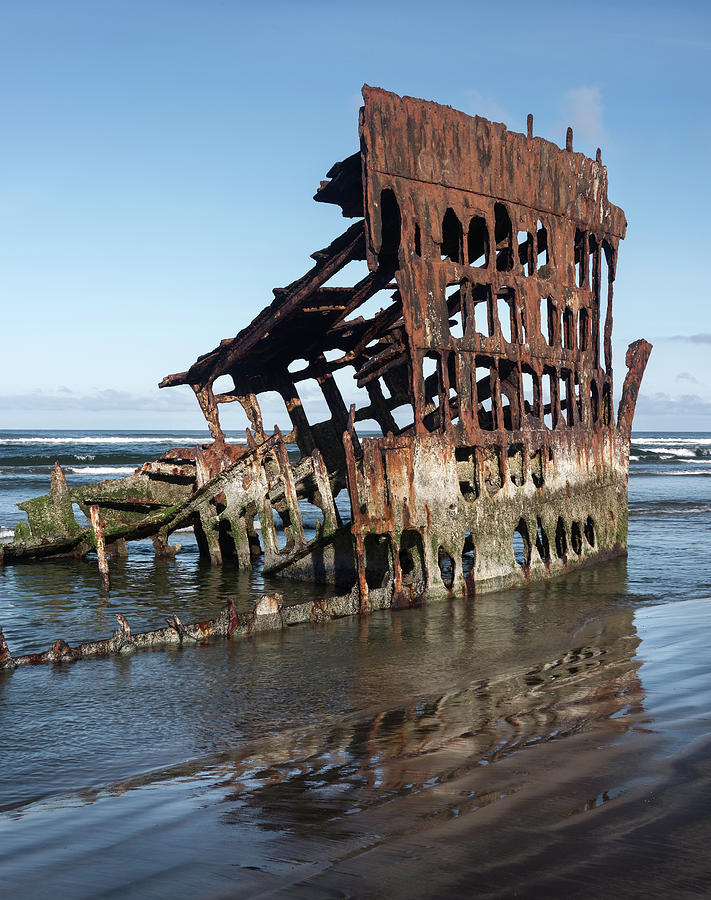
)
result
[(584, 774)]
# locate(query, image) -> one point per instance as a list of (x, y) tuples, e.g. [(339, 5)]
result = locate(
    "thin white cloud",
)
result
[(703, 337), (480, 105), (687, 376), (583, 111), (159, 402), (685, 407)]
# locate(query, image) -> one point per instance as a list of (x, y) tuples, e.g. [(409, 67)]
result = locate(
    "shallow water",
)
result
[(551, 741)]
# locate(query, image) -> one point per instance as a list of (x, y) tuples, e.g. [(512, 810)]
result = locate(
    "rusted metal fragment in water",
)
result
[(476, 340), (268, 614)]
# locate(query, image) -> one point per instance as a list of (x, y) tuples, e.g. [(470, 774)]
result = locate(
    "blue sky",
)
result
[(159, 159)]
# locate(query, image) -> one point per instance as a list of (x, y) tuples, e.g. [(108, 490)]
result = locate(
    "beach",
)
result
[(547, 741)]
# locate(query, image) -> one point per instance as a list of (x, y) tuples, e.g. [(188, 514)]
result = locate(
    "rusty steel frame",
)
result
[(487, 370)]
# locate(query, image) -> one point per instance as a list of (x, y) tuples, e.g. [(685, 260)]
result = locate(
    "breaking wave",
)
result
[(128, 439), (651, 452), (100, 470)]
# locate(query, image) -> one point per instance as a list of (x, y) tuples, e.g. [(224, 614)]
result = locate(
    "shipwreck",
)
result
[(485, 372)]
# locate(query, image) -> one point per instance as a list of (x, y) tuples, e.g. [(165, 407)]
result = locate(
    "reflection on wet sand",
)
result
[(315, 780), (288, 803)]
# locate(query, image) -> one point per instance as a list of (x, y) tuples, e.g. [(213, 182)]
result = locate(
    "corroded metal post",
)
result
[(100, 547)]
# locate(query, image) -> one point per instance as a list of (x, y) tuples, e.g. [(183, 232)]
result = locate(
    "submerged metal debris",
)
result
[(486, 371), (268, 614)]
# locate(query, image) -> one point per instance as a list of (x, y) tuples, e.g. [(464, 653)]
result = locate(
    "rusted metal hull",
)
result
[(487, 372)]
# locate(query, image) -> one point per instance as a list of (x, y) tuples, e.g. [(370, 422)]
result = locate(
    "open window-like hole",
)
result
[(313, 400), (377, 560), (569, 329), (503, 238), (311, 517), (484, 404), (384, 389), (541, 247), (466, 472), (525, 252), (345, 381), (274, 411), (468, 560), (478, 243), (548, 320), (452, 237), (297, 365), (576, 538), (606, 258), (491, 468), (593, 267), (566, 399), (249, 522), (561, 540), (522, 544), (521, 315), (506, 411), (515, 462), (418, 240), (79, 516), (453, 404), (483, 315), (548, 400), (505, 312), (454, 311), (446, 568), (404, 416), (407, 564), (309, 390), (224, 384), (542, 543), (589, 531), (282, 520), (342, 502), (226, 540), (412, 559), (456, 328), (431, 379), (234, 419), (486, 415), (368, 428), (333, 355), (594, 401), (537, 475), (529, 396)]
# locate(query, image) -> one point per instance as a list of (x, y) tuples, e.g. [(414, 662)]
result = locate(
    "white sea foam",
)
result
[(173, 441), (100, 470), (93, 439), (671, 441), (671, 452)]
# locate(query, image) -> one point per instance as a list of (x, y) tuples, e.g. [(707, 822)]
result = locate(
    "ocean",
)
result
[(548, 741)]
